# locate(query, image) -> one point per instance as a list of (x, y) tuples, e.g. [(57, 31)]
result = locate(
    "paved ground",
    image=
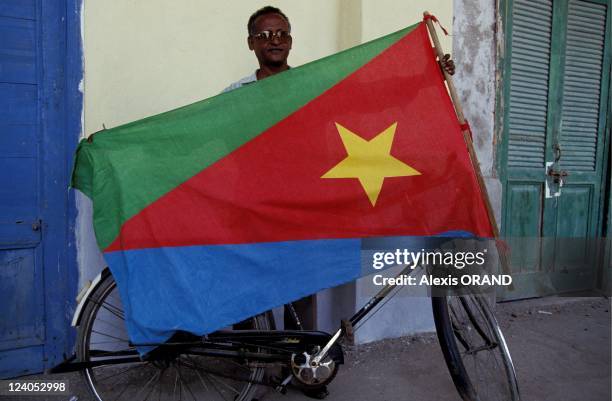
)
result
[(560, 346)]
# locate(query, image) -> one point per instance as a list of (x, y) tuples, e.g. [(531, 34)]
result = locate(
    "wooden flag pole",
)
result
[(468, 141)]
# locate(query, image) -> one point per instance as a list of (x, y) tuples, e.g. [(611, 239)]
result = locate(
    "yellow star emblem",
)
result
[(369, 161)]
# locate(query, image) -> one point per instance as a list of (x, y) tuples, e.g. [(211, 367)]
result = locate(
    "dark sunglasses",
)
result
[(268, 36)]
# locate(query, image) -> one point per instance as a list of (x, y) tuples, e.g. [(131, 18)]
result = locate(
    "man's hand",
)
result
[(447, 64)]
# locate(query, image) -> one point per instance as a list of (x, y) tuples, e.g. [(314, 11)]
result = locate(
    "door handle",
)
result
[(37, 225), (557, 175)]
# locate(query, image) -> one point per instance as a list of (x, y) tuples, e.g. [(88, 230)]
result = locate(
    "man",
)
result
[(270, 39)]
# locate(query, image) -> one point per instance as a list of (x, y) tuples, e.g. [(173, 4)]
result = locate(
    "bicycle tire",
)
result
[(474, 348), (102, 329)]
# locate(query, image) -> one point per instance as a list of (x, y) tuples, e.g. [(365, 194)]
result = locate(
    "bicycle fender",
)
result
[(84, 294)]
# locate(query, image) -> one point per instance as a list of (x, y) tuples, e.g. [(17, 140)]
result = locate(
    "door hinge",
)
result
[(37, 225)]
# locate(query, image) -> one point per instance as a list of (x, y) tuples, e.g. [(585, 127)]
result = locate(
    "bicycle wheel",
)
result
[(474, 349), (102, 332)]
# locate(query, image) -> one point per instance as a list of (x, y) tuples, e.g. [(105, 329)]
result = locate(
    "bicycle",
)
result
[(230, 363)]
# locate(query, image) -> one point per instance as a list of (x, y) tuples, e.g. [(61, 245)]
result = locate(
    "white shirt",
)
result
[(241, 82)]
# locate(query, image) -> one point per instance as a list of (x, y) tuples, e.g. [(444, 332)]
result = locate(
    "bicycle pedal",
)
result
[(282, 387), (349, 331)]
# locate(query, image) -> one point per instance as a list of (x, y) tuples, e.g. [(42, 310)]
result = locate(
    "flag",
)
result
[(225, 208)]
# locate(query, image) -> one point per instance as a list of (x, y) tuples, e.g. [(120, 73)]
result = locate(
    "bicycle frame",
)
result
[(277, 345)]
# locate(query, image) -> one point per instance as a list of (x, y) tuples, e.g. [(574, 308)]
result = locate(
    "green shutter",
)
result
[(530, 60), (586, 26)]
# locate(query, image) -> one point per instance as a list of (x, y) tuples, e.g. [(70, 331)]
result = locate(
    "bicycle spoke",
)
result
[(216, 388), (122, 391), (108, 342), (159, 384), (175, 385), (118, 312), (118, 373), (155, 375), (485, 362), (476, 339), (468, 311), (103, 337), (209, 372), (125, 340), (197, 372), (210, 376), (224, 384), (458, 327), (115, 326), (178, 371)]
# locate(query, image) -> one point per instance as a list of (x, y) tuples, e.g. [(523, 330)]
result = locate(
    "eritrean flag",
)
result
[(225, 208)]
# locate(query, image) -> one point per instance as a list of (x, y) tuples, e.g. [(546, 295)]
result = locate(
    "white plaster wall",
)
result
[(474, 41), (89, 258), (144, 57), (384, 16), (406, 311)]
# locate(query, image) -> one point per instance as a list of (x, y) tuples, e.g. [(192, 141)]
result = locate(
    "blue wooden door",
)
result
[(36, 277)]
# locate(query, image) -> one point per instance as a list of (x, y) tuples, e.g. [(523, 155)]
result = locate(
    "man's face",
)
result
[(273, 52)]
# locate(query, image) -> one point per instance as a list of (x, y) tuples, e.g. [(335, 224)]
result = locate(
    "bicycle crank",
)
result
[(311, 372)]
